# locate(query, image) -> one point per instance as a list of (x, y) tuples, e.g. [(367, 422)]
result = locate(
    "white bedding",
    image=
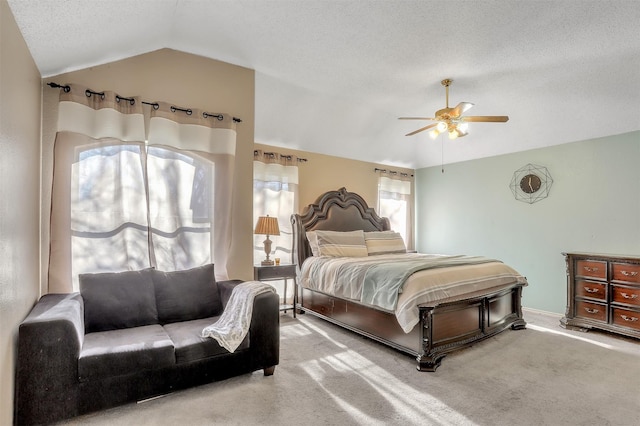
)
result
[(330, 275)]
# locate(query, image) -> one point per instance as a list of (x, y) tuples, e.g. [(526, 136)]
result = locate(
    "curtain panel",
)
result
[(191, 166), (395, 201), (275, 193), (120, 203)]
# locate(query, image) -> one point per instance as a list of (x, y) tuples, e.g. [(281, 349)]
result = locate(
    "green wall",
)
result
[(593, 206)]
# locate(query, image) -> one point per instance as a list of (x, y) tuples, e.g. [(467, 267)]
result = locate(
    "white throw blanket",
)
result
[(233, 325)]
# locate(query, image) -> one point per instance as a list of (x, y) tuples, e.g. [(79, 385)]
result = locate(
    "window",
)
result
[(395, 203), (136, 206), (275, 193), (130, 193)]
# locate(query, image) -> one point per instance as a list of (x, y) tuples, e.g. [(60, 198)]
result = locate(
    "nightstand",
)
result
[(277, 273)]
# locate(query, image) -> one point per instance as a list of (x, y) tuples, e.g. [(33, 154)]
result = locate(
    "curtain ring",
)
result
[(90, 92), (205, 114), (132, 101)]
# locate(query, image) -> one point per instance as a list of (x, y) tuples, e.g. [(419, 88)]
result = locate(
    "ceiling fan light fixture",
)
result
[(434, 133), (457, 132), (442, 126)]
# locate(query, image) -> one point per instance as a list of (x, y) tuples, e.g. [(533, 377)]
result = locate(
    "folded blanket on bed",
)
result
[(383, 282), (233, 325)]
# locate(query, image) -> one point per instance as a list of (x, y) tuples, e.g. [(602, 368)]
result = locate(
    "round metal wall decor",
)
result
[(531, 183)]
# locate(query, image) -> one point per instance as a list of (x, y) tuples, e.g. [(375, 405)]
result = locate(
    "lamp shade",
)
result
[(267, 225)]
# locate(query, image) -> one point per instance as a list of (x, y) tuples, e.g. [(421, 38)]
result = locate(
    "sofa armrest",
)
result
[(226, 288), (264, 331), (49, 342)]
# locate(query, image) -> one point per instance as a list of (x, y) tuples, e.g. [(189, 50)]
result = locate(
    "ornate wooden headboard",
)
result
[(339, 210)]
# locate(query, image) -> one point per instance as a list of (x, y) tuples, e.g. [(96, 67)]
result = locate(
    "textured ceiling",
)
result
[(332, 76)]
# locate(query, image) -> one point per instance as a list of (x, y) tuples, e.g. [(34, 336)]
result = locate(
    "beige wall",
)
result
[(187, 81), (323, 173), (19, 196)]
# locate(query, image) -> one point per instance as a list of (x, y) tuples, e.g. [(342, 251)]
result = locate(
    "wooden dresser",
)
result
[(603, 291)]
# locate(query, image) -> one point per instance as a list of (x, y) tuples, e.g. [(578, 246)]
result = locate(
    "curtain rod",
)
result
[(155, 105), (392, 172), (273, 154)]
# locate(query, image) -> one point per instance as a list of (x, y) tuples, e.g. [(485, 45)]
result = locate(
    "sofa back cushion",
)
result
[(187, 295), (115, 300)]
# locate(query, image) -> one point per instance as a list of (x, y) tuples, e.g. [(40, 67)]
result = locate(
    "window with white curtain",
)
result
[(122, 203), (275, 193), (114, 209), (395, 202)]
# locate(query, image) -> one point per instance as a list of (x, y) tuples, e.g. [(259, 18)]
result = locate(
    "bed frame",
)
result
[(444, 327)]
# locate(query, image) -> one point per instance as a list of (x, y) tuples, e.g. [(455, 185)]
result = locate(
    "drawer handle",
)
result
[(629, 296), (629, 274), (588, 269), (592, 311), (630, 319), (590, 290)]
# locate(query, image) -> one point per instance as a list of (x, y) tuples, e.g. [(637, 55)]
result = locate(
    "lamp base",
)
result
[(268, 263)]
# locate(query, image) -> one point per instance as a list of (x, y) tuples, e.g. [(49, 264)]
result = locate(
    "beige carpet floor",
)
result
[(543, 375)]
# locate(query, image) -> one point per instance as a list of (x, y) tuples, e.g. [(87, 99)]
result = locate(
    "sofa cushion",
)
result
[(126, 351), (115, 300), (191, 346), (187, 295)]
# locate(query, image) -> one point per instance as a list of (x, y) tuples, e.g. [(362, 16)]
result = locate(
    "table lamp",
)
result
[(267, 226)]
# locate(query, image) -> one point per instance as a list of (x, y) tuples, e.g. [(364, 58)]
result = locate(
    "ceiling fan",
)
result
[(451, 120)]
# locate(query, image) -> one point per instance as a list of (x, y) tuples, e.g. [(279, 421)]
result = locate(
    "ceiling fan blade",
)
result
[(485, 118), (415, 118), (460, 109), (422, 129)]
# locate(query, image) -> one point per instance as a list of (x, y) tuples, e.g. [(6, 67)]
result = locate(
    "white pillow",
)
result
[(384, 242), (341, 244), (313, 242)]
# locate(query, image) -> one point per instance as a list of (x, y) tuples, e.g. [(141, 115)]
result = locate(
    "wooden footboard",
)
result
[(444, 328), (454, 325)]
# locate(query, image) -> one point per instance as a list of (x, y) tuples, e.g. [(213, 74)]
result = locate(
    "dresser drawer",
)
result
[(626, 318), (591, 269), (626, 295), (593, 311), (591, 289), (626, 272)]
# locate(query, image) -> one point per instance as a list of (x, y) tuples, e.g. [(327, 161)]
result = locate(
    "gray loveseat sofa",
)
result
[(129, 336)]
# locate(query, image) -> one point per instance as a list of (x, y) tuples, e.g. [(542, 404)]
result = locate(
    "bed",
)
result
[(423, 325)]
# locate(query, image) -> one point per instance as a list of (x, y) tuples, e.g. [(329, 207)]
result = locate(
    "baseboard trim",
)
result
[(541, 312)]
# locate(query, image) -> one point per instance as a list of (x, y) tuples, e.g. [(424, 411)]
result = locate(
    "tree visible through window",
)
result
[(138, 206)]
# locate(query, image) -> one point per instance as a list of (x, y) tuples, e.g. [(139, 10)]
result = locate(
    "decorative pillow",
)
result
[(312, 237), (384, 242), (187, 295), (341, 244), (115, 300)]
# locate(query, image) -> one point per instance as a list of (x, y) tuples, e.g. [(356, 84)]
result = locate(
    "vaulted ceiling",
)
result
[(333, 76)]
